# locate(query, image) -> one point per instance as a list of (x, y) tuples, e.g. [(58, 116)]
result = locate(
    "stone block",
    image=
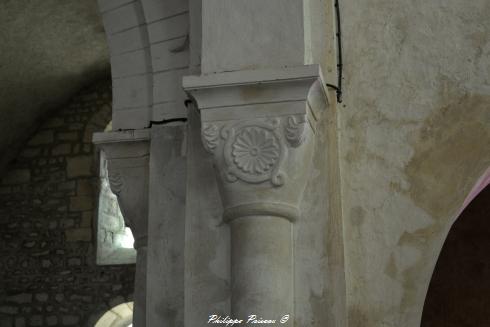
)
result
[(68, 136), (106, 5), (81, 203), (42, 297), (170, 28), (130, 63), (17, 176), (20, 322), (20, 298), (52, 320), (167, 86), (123, 18), (43, 137), (157, 9), (85, 187), (116, 301), (70, 320), (129, 40), (136, 118), (74, 262), (5, 190), (6, 322), (164, 56), (130, 92), (9, 309), (67, 223), (31, 152), (67, 186), (86, 220), (169, 110), (36, 320), (61, 149), (79, 166), (78, 234), (54, 122)]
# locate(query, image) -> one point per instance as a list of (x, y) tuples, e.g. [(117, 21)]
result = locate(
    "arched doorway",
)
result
[(459, 291), (119, 316)]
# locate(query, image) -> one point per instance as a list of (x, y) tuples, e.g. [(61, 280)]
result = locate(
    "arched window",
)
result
[(119, 316), (114, 238)]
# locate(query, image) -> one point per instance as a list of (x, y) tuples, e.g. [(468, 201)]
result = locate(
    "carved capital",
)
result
[(260, 128), (127, 155)]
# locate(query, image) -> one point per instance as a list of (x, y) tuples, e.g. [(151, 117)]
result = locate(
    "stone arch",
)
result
[(458, 287), (119, 316), (148, 45), (482, 182)]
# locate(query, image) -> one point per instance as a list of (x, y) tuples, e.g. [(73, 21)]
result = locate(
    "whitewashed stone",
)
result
[(106, 5), (128, 40), (123, 18), (130, 63), (259, 126), (132, 91), (170, 54), (131, 118), (156, 9), (166, 86), (169, 28)]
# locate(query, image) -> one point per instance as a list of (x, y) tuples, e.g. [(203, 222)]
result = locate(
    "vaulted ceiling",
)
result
[(49, 50)]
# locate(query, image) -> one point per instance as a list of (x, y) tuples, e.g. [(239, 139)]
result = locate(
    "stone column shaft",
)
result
[(261, 267)]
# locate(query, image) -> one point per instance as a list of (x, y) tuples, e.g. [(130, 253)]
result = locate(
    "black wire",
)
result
[(338, 87)]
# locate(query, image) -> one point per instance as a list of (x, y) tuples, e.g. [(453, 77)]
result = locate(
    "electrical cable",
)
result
[(338, 87)]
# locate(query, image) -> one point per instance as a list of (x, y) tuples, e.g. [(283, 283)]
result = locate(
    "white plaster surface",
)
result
[(207, 238), (123, 18), (248, 34), (414, 133), (166, 245)]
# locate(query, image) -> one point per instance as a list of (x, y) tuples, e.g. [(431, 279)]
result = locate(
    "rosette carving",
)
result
[(262, 142), (255, 150)]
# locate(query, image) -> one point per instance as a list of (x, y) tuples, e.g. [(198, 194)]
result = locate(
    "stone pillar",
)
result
[(127, 156), (259, 125)]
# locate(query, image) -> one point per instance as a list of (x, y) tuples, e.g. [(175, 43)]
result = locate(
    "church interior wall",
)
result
[(48, 200), (415, 130)]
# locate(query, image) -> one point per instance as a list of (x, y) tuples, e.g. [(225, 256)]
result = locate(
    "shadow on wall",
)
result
[(459, 292), (48, 197)]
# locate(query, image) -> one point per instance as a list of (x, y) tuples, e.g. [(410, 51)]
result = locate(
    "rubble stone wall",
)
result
[(48, 200)]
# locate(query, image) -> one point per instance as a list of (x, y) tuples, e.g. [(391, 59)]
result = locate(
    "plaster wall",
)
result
[(165, 268), (415, 129)]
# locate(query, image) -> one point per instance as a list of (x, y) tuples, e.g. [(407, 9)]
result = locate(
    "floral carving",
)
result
[(295, 130), (210, 136), (255, 150)]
